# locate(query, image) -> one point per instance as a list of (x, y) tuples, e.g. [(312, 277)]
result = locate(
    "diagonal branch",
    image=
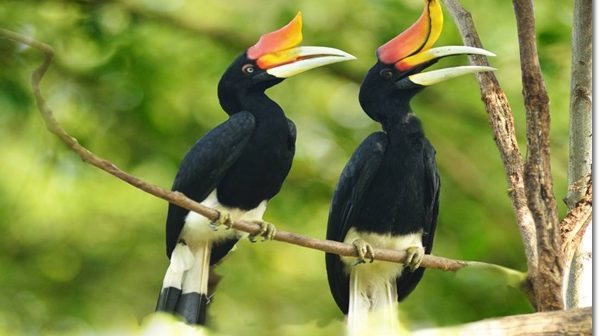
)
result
[(503, 127), (181, 200), (538, 173)]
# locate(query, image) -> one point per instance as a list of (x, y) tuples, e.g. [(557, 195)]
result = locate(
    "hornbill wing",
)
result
[(221, 248), (204, 166), (432, 180), (407, 282), (292, 138), (347, 199)]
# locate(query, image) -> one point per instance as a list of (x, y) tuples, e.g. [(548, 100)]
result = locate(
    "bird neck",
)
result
[(262, 107), (256, 102), (398, 118), (403, 131)]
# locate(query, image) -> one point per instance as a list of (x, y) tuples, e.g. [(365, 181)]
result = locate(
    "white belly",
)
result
[(197, 227), (379, 271)]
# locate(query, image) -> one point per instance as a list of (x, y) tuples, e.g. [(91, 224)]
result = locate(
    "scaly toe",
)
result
[(267, 231), (270, 232), (370, 253), (414, 257), (224, 219), (363, 249)]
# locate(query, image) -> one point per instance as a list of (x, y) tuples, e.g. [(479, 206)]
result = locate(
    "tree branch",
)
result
[(503, 127), (174, 197), (580, 116), (574, 226), (564, 322), (538, 173)]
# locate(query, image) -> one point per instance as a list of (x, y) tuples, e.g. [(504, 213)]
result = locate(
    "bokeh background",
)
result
[(135, 81)]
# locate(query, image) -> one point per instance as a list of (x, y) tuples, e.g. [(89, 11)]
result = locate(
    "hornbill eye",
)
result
[(248, 69), (386, 74)]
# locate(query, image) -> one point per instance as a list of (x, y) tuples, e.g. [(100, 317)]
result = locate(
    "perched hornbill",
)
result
[(236, 167), (387, 195)]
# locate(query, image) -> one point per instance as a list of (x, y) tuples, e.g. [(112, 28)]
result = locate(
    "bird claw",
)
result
[(267, 231), (363, 249), (223, 219), (414, 257)]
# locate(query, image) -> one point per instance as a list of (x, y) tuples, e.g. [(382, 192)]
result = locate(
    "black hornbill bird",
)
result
[(387, 195), (236, 167)]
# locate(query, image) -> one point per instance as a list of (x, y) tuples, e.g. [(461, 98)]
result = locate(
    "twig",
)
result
[(502, 123), (181, 200), (538, 173)]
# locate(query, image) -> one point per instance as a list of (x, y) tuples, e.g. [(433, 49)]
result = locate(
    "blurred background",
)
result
[(135, 82)]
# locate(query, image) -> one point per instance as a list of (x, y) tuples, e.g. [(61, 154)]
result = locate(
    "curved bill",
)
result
[(436, 76), (437, 53), (287, 63)]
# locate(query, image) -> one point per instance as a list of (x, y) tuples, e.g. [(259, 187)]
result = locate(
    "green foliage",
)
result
[(135, 81)]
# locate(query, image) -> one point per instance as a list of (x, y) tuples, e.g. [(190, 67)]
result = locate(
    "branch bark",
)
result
[(429, 261), (574, 225), (580, 114), (580, 277), (565, 322), (538, 174), (503, 127), (579, 197)]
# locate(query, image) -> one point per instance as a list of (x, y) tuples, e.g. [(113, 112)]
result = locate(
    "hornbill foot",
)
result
[(223, 219), (267, 231), (363, 249), (414, 257)]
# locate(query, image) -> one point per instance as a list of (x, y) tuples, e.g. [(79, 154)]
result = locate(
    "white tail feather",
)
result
[(195, 279), (182, 260), (372, 307)]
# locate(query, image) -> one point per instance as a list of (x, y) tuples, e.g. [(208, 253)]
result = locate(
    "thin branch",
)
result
[(503, 126), (538, 173), (564, 322), (181, 200)]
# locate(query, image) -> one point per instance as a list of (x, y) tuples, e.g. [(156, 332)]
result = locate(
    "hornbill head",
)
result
[(276, 56), (397, 76)]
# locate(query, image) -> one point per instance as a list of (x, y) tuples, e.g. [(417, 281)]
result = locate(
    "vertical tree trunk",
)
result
[(580, 147), (548, 279)]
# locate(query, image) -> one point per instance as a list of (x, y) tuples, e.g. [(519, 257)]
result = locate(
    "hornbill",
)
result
[(387, 195), (236, 167)]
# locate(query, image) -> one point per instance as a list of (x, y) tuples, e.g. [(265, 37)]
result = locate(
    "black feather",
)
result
[(204, 166), (348, 198), (390, 186)]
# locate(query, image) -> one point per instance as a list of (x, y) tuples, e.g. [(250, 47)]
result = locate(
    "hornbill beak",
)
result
[(411, 50), (279, 55)]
